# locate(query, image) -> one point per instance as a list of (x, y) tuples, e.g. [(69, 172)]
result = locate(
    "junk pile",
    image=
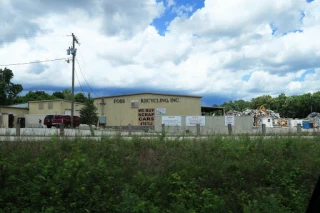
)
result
[(254, 112), (314, 118), (258, 114)]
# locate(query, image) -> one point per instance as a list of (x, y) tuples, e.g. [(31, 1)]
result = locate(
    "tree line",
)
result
[(295, 106), (9, 92)]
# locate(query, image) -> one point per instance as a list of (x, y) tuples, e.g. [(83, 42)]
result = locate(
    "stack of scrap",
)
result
[(314, 118), (253, 112)]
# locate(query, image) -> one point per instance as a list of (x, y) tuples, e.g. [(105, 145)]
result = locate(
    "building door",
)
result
[(11, 119)]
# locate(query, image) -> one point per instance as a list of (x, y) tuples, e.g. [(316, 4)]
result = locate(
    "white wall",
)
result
[(32, 121)]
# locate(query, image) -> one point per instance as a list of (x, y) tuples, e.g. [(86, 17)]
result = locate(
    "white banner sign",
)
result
[(161, 111), (229, 120), (171, 120), (194, 120)]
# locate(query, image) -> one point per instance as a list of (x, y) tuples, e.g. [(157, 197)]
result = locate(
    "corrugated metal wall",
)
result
[(52, 107), (213, 125), (119, 110)]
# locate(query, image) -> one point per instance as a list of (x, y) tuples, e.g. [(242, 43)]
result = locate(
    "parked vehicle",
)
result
[(57, 120)]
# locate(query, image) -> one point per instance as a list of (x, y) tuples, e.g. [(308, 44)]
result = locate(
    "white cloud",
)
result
[(206, 53)]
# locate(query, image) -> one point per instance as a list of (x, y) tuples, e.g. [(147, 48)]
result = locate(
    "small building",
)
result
[(267, 121), (9, 114), (33, 111), (140, 109)]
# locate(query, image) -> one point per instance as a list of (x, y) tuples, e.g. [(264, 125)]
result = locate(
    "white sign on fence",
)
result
[(194, 120), (171, 120), (229, 120)]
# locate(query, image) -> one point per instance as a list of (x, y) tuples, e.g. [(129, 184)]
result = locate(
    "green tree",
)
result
[(37, 96), (67, 94), (315, 102), (279, 104), (242, 105), (58, 94), (89, 114), (80, 97), (228, 106), (266, 100), (8, 90)]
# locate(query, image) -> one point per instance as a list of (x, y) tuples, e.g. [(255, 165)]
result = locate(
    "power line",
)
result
[(33, 62), (79, 82), (31, 36), (85, 79)]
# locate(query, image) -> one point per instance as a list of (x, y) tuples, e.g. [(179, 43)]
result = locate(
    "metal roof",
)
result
[(23, 105), (148, 93), (53, 100)]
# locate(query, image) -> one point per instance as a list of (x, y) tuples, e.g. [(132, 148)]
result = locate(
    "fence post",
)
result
[(299, 128), (130, 129), (18, 129), (198, 129), (229, 129), (163, 131), (62, 129), (264, 130)]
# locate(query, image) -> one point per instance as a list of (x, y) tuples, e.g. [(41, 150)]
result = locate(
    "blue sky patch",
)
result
[(302, 77), (246, 77), (173, 11), (302, 16), (273, 28)]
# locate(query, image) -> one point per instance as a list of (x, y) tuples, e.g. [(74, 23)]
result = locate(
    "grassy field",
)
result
[(159, 175)]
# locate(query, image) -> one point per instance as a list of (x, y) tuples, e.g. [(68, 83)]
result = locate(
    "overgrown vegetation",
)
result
[(159, 175)]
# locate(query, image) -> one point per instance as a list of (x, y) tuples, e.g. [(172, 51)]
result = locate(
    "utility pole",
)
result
[(73, 51)]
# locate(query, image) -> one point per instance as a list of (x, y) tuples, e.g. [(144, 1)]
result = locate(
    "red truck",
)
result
[(57, 120)]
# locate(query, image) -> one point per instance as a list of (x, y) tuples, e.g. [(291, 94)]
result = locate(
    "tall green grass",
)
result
[(215, 174)]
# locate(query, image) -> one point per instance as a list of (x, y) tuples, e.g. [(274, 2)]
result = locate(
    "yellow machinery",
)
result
[(263, 109), (258, 114)]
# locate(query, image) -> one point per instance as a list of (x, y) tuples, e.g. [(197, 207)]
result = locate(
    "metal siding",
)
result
[(121, 114), (58, 107)]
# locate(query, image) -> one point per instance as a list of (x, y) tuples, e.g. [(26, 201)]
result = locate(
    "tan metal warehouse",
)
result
[(139, 109)]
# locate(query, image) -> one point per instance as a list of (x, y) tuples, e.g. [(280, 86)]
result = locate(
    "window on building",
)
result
[(50, 105), (41, 105), (134, 104)]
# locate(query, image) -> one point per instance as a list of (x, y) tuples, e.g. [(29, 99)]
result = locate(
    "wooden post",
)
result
[(299, 128), (130, 129), (198, 129), (62, 129), (264, 129), (163, 131), (229, 129), (18, 130)]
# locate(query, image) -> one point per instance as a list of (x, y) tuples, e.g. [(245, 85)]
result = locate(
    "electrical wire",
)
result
[(85, 79), (33, 62), (31, 36), (79, 83)]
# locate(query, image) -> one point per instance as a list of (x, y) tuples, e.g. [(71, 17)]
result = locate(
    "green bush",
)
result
[(150, 175)]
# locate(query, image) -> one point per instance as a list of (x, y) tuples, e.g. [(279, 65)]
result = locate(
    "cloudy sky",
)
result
[(219, 49)]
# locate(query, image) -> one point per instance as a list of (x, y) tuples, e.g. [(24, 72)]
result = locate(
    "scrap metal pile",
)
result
[(253, 112), (314, 118)]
